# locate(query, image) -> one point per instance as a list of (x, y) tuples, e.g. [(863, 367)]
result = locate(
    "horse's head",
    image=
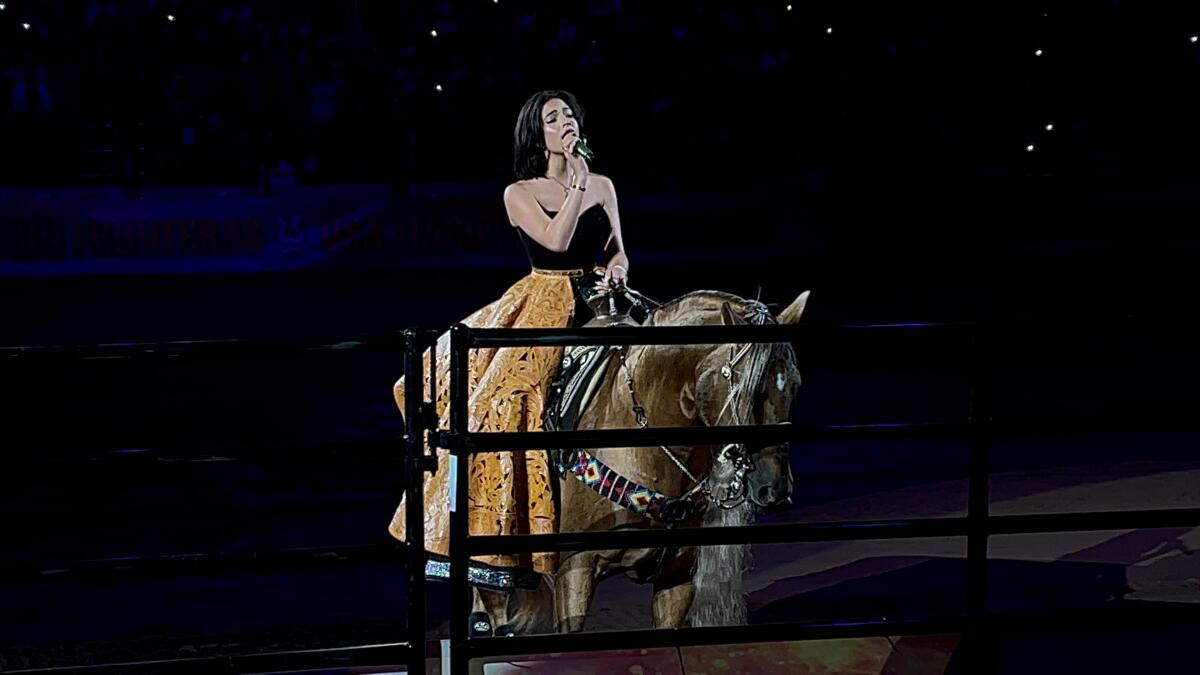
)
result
[(719, 385), (749, 384)]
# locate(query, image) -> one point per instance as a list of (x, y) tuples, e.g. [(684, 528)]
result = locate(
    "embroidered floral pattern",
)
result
[(509, 492)]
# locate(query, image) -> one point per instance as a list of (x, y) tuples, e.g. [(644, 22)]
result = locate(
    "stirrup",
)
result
[(480, 624)]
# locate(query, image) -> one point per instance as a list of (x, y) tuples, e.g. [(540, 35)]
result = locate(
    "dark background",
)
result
[(899, 166)]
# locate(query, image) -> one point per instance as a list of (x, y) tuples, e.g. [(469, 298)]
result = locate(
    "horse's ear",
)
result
[(794, 310), (730, 317)]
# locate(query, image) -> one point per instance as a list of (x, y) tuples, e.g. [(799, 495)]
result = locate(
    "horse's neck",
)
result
[(655, 379), (660, 373)]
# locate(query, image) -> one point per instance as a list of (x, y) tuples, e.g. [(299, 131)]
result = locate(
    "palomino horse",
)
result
[(678, 385)]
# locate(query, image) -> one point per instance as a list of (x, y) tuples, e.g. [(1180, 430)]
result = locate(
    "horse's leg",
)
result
[(574, 587), (672, 601), (532, 611), (490, 604), (495, 603), (480, 614), (675, 589)]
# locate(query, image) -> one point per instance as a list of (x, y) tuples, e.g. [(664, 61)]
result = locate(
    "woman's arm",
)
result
[(617, 266), (525, 212)]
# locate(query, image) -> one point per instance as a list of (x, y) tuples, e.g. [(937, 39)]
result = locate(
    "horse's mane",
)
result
[(720, 596), (697, 308), (670, 309)]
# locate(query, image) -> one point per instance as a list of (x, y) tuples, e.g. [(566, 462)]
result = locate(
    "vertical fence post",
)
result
[(414, 437), (460, 590), (976, 642)]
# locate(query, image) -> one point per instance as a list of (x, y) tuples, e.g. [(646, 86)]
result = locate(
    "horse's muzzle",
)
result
[(775, 493)]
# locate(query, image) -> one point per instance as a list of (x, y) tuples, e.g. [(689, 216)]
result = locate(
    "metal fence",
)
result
[(420, 419), (977, 526)]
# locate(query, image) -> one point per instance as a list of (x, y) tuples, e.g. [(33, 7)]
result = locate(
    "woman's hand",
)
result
[(614, 277), (577, 164)]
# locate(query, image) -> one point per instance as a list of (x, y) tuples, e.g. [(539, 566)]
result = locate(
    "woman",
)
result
[(566, 217)]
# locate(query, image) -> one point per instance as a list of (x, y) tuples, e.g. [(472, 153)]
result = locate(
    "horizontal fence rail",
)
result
[(715, 635), (211, 562), (389, 654), (708, 334), (322, 557), (1132, 617), (797, 533), (691, 436), (202, 349), (393, 342), (99, 452), (675, 335), (632, 438), (94, 453)]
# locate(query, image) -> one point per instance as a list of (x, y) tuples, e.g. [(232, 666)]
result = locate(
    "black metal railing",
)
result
[(977, 526), (980, 429), (411, 651), (195, 350), (357, 656)]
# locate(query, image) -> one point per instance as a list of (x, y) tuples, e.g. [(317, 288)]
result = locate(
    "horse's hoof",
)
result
[(505, 631), (481, 624)]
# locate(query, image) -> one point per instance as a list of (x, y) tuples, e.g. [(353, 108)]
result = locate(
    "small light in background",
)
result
[(1037, 53), (171, 18), (26, 26), (1194, 38), (829, 30), (433, 32), (789, 8), (1049, 127), (437, 87), (1029, 148), (3, 6)]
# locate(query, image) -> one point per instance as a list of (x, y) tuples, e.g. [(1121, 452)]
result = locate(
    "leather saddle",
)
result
[(584, 367)]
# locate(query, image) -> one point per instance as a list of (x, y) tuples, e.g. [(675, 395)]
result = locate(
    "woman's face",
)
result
[(558, 124)]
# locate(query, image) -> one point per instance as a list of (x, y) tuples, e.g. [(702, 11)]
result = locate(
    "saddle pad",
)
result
[(580, 375)]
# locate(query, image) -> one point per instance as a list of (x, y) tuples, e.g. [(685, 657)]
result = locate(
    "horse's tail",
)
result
[(720, 597), (533, 611)]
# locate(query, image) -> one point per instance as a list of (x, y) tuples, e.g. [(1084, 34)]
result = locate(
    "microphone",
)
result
[(583, 150)]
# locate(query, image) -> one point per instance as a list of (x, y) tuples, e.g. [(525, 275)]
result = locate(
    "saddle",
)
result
[(581, 372), (583, 367)]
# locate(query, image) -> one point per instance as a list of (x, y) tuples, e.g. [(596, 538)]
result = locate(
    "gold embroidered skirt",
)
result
[(510, 492)]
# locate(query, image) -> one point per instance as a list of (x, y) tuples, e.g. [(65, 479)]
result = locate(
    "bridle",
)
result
[(734, 492)]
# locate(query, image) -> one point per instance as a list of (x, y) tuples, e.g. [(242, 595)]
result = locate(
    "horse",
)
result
[(678, 385)]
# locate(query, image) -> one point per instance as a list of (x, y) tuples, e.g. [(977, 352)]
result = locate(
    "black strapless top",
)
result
[(591, 234)]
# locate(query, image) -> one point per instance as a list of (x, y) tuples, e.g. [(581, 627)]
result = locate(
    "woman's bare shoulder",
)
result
[(522, 190), (604, 185), (519, 185)]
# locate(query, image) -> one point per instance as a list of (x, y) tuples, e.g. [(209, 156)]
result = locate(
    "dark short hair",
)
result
[(529, 141)]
